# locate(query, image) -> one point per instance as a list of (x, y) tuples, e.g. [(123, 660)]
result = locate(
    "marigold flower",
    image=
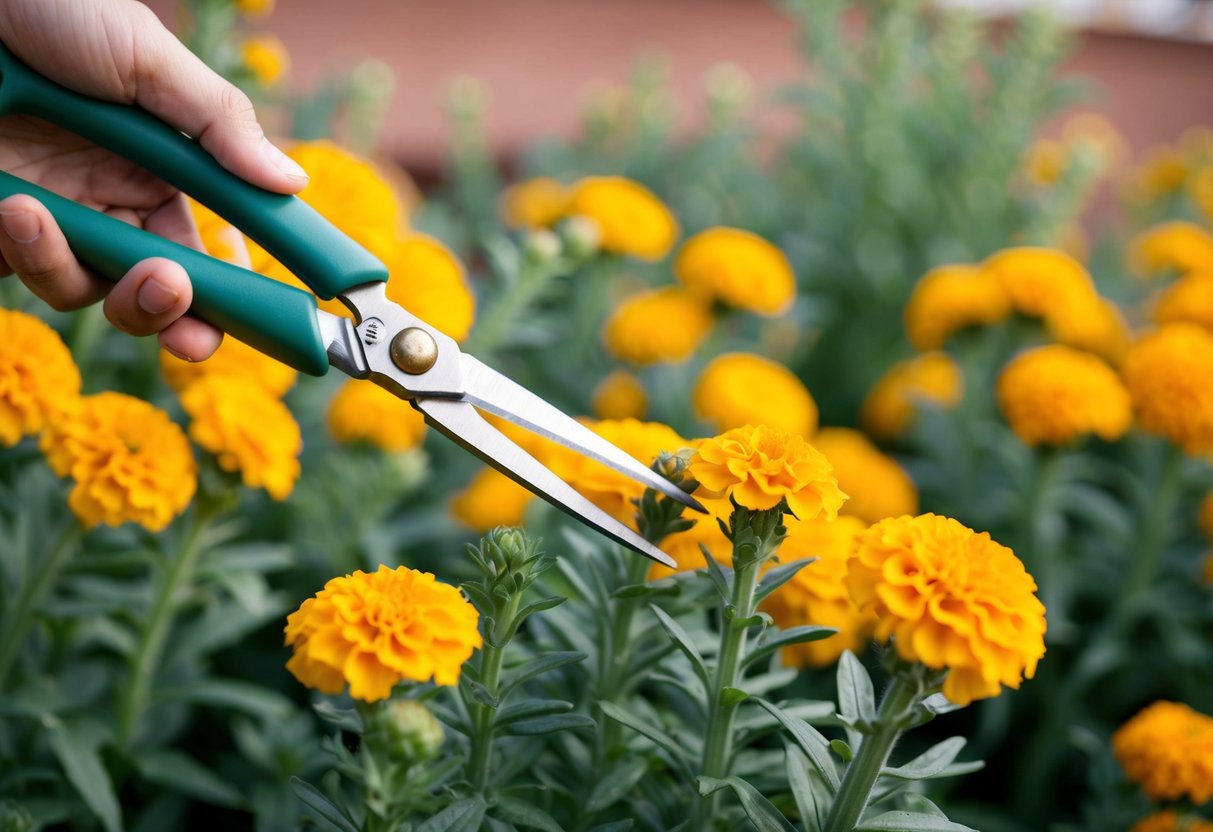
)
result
[(951, 598), (931, 378), (365, 412), (1168, 821), (740, 268), (1168, 749), (876, 486), (817, 593), (759, 466), (375, 630), (658, 325), (620, 396), (1171, 246), (131, 463), (1190, 299), (1091, 323), (266, 57), (1046, 161), (255, 8), (233, 359), (1201, 188), (220, 239), (39, 381), (1054, 394), (684, 546), (1169, 374), (429, 281), (490, 500), (535, 203), (631, 218), (248, 430), (1163, 171), (951, 298), (741, 388), (1039, 281)]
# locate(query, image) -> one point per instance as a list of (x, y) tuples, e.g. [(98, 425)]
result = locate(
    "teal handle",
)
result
[(287, 227), (277, 319)]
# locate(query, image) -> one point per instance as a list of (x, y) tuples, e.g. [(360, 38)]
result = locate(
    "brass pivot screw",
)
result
[(414, 350)]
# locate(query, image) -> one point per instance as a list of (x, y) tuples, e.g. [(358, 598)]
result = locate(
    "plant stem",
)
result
[(509, 308), (861, 774), (620, 646), (1152, 542), (43, 578), (1038, 553), (491, 657)]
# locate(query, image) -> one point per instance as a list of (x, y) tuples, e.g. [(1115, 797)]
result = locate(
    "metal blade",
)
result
[(490, 390), (460, 422)]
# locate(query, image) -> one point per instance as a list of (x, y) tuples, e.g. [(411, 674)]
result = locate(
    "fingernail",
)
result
[(283, 162), (176, 354), (156, 297), (22, 226)]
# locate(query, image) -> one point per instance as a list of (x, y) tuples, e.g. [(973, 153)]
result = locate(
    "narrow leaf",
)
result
[(803, 792), (683, 642), (811, 742), (761, 812), (842, 750), (253, 700), (786, 638), (460, 816), (548, 724), (856, 699), (76, 748), (539, 665), (324, 808), (616, 784), (722, 580), (773, 579), (931, 763), (910, 822), (347, 719), (731, 697), (613, 711), (520, 813), (531, 708), (921, 805), (530, 609), (182, 773)]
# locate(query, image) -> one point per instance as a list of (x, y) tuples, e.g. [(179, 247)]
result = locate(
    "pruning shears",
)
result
[(384, 343)]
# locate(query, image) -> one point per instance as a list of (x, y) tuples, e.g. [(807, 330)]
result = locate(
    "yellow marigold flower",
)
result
[(817, 594), (740, 388), (1168, 749), (38, 379), (1201, 189), (605, 487), (620, 396), (931, 378), (429, 281), (1171, 246), (759, 466), (248, 430), (631, 218), (131, 463), (1188, 299), (1039, 281), (740, 268), (233, 359), (1169, 374), (1163, 171), (1091, 323), (876, 486), (951, 598), (1054, 394), (365, 412), (1046, 161), (683, 547), (1168, 821), (219, 237), (255, 8), (266, 57), (535, 203), (658, 325), (375, 630), (950, 298), (490, 500)]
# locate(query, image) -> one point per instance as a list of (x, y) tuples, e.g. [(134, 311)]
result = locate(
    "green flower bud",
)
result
[(403, 731), (541, 246), (582, 237)]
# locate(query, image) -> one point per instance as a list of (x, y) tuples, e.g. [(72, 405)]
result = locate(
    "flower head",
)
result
[(131, 463), (365, 412), (951, 598), (374, 630), (535, 203), (949, 299), (255, 8), (1168, 749), (1168, 821), (657, 326), (1054, 394), (741, 388), (817, 593), (1169, 374), (490, 500), (620, 396), (248, 430), (266, 58), (38, 379), (1091, 323), (876, 486), (1039, 281), (429, 281), (759, 466), (631, 218), (1190, 299), (931, 379), (740, 268), (233, 359), (220, 239), (1171, 246)]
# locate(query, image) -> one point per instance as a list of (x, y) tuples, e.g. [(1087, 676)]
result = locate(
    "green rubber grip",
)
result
[(277, 319), (287, 227)]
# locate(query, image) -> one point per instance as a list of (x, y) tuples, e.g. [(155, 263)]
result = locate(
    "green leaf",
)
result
[(919, 804), (731, 697), (804, 791), (184, 774), (773, 579), (346, 719), (910, 822), (617, 783), (856, 698), (842, 750), (460, 816), (548, 724), (663, 740), (539, 665), (683, 642), (936, 761), (722, 580), (325, 810), (811, 742), (479, 693), (254, 700), (786, 638), (76, 745), (530, 609), (520, 813), (615, 826), (761, 812), (530, 708)]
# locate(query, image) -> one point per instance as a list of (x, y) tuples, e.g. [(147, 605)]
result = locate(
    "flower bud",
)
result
[(403, 730), (541, 246), (582, 237)]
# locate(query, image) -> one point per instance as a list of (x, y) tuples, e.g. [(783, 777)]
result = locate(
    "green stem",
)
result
[(620, 646), (44, 577), (1150, 545), (508, 309), (1038, 553), (491, 657), (861, 774)]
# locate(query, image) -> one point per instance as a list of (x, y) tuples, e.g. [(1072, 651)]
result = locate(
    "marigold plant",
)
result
[(952, 298), (931, 378), (742, 388), (39, 381), (739, 268), (1169, 374), (658, 326), (365, 412), (620, 396), (875, 485), (631, 219), (1168, 749)]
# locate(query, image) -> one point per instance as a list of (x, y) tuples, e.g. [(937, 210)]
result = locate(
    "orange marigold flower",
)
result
[(38, 379), (760, 466), (535, 203), (1171, 246), (951, 298), (657, 326), (1201, 188), (255, 8), (950, 598), (1168, 749), (365, 412), (931, 379), (1169, 374), (876, 486), (817, 593), (429, 281), (374, 630), (620, 396), (266, 57), (248, 430), (740, 268), (1039, 281), (741, 388), (1168, 821), (1091, 323), (684, 547), (131, 463), (1054, 394), (631, 218), (490, 500), (1188, 299), (220, 238), (233, 359)]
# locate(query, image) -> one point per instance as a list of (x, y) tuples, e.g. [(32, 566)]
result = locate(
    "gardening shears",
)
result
[(384, 342)]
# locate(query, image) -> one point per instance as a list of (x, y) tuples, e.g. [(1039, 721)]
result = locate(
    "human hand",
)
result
[(117, 50)]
